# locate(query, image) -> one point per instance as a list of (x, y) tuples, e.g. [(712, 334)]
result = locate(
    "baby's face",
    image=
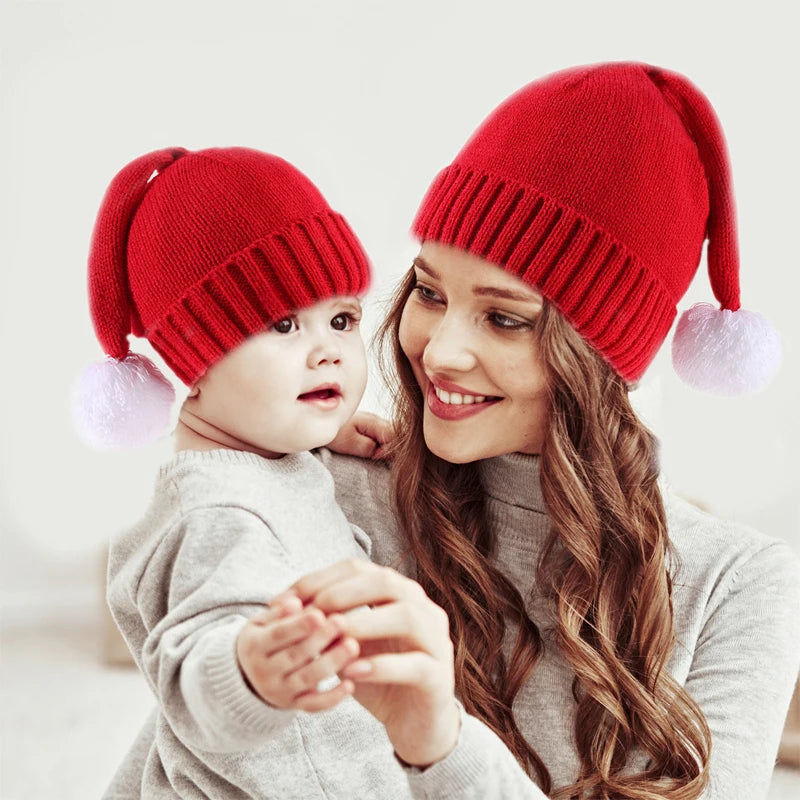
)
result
[(291, 387)]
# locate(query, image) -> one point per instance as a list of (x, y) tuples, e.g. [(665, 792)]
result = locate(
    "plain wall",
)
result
[(370, 99)]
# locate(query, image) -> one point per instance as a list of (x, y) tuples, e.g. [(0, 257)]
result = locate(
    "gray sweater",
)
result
[(225, 532), (737, 618), (737, 621)]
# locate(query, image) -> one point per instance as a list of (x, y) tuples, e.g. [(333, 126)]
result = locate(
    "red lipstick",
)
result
[(450, 412)]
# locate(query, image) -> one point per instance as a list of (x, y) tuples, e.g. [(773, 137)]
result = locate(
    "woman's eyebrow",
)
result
[(420, 263), (505, 294)]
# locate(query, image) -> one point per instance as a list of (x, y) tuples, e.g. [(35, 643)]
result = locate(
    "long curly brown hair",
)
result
[(609, 578)]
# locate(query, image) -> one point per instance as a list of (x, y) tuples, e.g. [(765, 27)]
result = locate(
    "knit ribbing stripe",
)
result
[(163, 346), (659, 321), (498, 220), (283, 258), (321, 280), (311, 260), (477, 225), (344, 243), (464, 208), (525, 260), (511, 243), (571, 263), (449, 190), (606, 291)]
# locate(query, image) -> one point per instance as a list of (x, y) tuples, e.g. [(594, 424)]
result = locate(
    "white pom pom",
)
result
[(725, 352), (118, 405)]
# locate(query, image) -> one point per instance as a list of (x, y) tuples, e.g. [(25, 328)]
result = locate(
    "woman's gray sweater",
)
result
[(736, 598)]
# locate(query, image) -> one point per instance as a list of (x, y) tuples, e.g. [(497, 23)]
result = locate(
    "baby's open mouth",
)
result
[(320, 394)]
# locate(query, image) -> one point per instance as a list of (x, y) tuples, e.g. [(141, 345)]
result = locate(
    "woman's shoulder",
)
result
[(714, 555), (355, 475), (363, 492)]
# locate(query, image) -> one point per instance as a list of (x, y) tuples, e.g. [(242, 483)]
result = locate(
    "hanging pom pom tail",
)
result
[(725, 352), (120, 404)]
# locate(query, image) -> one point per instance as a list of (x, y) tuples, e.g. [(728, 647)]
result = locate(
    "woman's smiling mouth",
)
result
[(453, 404)]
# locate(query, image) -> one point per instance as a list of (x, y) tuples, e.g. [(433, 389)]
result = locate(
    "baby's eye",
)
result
[(506, 323), (343, 322), (287, 325)]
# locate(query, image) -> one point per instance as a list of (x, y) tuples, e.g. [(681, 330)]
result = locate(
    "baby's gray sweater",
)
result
[(737, 620), (226, 531)]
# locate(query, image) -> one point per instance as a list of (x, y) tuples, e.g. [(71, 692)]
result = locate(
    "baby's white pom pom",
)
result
[(121, 404), (725, 352)]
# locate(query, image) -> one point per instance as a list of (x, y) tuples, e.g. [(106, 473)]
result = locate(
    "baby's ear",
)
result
[(194, 391)]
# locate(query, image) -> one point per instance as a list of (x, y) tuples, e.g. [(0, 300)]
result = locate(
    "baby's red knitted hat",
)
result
[(196, 251), (598, 185)]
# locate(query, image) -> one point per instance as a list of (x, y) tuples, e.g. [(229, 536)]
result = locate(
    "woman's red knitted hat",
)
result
[(598, 185), (197, 251)]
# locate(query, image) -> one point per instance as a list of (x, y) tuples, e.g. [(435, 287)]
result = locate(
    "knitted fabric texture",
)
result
[(597, 185), (196, 251)]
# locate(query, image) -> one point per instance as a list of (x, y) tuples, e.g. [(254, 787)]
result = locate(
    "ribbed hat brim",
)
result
[(606, 292), (313, 259)]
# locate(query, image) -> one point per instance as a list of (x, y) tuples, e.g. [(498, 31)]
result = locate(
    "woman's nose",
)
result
[(448, 348)]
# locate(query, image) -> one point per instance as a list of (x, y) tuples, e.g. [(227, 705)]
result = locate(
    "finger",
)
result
[(381, 453), (309, 585), (287, 605), (371, 585), (321, 701), (362, 445), (282, 598), (416, 626), (306, 650), (328, 664), (413, 668), (375, 427), (282, 634)]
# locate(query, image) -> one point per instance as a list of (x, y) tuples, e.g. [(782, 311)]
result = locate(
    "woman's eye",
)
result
[(427, 294), (506, 323), (343, 322), (287, 325)]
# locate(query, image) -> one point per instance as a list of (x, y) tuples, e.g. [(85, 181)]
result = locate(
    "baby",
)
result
[(231, 263)]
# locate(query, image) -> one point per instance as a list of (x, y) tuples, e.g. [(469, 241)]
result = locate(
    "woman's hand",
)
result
[(285, 651), (404, 675), (364, 435)]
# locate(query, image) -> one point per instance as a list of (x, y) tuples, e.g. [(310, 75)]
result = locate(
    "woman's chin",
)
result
[(455, 449)]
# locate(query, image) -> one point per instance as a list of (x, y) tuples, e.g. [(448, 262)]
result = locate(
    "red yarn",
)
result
[(211, 249), (597, 185)]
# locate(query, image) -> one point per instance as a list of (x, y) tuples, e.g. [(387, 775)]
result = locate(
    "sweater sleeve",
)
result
[(213, 569), (744, 668), (480, 767)]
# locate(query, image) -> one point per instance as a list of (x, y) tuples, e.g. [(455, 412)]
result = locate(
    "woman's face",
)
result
[(467, 330)]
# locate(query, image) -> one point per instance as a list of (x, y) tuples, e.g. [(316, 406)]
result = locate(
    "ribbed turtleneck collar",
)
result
[(287, 464), (513, 478)]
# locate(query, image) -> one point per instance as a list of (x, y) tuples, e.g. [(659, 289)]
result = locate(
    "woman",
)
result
[(603, 640)]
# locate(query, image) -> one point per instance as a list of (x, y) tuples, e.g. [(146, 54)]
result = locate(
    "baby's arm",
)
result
[(182, 604), (285, 651)]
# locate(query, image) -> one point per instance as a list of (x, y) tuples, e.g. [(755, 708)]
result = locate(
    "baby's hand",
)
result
[(285, 651), (365, 435)]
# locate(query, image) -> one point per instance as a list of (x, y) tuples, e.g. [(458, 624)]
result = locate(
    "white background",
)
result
[(370, 99)]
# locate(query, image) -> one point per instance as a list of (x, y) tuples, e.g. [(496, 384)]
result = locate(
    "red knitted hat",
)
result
[(196, 251), (598, 185)]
